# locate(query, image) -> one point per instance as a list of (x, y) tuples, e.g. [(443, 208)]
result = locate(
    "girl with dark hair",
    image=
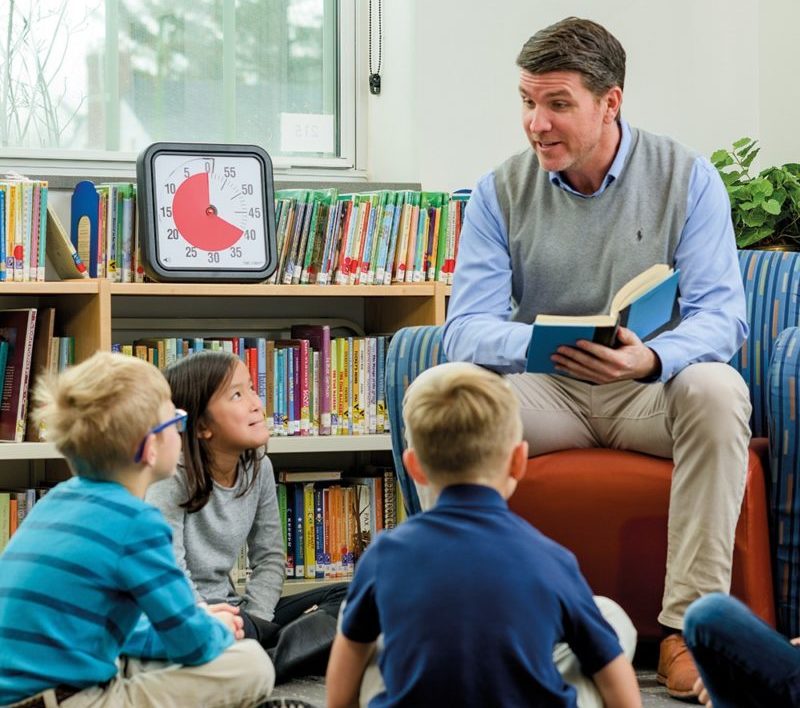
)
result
[(224, 497)]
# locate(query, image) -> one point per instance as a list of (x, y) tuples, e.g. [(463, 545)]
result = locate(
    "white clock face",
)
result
[(209, 212)]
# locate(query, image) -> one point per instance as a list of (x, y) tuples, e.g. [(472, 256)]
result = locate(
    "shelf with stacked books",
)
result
[(92, 312)]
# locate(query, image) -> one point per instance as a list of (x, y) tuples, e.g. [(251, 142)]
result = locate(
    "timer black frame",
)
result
[(148, 216)]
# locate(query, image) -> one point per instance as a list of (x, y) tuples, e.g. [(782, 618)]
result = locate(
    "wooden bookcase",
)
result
[(98, 313)]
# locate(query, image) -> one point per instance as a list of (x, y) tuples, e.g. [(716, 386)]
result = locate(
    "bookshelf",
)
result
[(98, 313)]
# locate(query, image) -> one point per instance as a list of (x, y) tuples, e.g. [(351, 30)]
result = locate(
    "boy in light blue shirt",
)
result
[(93, 607)]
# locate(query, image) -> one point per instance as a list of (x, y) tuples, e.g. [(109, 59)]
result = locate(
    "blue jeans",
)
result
[(743, 661)]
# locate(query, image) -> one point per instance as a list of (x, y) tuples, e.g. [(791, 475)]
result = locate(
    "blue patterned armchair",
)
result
[(770, 364)]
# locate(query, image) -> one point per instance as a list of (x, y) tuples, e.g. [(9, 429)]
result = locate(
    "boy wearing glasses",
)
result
[(93, 608)]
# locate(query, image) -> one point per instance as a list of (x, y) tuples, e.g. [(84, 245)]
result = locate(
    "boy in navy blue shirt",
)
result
[(94, 610), (471, 600)]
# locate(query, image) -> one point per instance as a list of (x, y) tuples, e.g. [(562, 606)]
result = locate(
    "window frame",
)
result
[(44, 162)]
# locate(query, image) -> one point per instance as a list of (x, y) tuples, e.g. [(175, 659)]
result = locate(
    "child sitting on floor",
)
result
[(93, 607), (470, 599), (222, 499)]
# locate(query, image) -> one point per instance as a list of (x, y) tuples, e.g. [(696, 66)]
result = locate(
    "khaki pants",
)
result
[(566, 662), (241, 676), (700, 419)]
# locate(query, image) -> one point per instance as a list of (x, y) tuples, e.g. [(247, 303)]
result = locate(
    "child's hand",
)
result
[(220, 607), (232, 622)]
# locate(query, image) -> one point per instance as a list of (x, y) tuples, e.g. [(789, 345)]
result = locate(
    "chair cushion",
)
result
[(609, 507)]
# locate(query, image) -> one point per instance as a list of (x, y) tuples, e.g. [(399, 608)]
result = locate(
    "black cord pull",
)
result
[(374, 84), (375, 76)]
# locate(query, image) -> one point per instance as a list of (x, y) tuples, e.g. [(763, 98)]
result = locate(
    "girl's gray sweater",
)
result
[(207, 542)]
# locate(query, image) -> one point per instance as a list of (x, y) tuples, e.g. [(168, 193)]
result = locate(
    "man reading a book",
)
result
[(558, 229)]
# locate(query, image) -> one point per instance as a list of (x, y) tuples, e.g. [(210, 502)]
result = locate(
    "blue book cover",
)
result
[(276, 390), (645, 304), (3, 360), (84, 224), (319, 534)]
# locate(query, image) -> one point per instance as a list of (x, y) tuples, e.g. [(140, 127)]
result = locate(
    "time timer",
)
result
[(206, 212)]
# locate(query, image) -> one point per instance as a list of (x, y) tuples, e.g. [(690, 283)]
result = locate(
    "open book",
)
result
[(643, 304)]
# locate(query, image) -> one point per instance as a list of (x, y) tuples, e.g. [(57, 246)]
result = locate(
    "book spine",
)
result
[(290, 527), (348, 228), (309, 532), (397, 221), (345, 377), (261, 359), (299, 525), (127, 239), (313, 377), (281, 491), (389, 499), (319, 535), (365, 255), (291, 421), (2, 232), (11, 225), (348, 509), (5, 513), (356, 390), (386, 236), (305, 388), (327, 530), (269, 407), (325, 417), (33, 247), (334, 387), (25, 376)]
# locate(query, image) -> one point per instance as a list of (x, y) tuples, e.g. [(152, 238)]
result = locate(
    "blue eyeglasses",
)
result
[(179, 421)]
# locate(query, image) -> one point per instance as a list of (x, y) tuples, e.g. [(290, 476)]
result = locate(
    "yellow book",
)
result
[(357, 388), (308, 530)]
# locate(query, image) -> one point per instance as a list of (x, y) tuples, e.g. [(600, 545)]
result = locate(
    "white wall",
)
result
[(704, 71), (778, 87)]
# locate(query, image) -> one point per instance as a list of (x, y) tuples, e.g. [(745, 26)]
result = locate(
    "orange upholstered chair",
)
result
[(610, 508)]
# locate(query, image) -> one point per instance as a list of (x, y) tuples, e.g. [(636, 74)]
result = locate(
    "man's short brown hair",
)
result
[(574, 44), (462, 421), (97, 413)]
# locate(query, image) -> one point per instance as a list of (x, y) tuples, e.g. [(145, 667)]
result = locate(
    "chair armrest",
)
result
[(411, 351), (783, 396)]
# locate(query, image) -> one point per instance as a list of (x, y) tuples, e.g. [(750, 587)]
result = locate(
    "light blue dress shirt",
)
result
[(712, 303)]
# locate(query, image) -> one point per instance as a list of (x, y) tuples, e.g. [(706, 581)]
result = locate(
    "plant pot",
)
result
[(778, 247)]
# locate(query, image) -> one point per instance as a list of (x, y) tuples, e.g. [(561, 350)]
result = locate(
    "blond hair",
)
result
[(462, 422), (97, 413)]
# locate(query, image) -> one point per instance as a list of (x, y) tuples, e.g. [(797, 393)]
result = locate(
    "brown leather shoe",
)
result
[(676, 668)]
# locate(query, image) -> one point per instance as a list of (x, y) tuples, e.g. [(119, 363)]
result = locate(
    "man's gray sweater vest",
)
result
[(570, 254)]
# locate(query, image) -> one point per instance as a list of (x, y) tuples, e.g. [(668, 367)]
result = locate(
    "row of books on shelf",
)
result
[(15, 504), (327, 520), (364, 239), (309, 383), (23, 228), (29, 348), (322, 237)]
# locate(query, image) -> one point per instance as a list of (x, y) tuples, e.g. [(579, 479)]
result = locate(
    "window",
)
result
[(108, 77)]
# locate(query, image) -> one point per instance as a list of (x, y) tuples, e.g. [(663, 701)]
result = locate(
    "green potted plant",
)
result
[(765, 208)]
